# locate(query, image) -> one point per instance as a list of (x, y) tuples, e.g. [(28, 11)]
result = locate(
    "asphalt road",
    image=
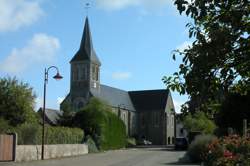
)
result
[(130, 157)]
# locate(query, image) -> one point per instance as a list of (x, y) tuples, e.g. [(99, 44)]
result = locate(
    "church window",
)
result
[(80, 105), (97, 74), (83, 74), (143, 120), (93, 72)]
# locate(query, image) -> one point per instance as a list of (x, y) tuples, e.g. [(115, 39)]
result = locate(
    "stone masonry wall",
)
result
[(33, 152)]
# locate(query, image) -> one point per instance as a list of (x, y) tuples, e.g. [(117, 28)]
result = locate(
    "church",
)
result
[(147, 114)]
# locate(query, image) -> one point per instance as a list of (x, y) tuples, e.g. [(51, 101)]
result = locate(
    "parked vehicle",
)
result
[(181, 143)]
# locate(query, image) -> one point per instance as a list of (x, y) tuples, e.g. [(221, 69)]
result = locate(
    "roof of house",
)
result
[(115, 97), (52, 115), (86, 50), (146, 100)]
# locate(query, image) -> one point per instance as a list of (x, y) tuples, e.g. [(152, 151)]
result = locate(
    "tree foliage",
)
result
[(234, 109), (16, 101), (98, 121), (219, 59), (199, 122)]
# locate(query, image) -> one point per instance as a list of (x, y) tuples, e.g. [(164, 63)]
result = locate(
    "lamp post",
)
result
[(46, 76)]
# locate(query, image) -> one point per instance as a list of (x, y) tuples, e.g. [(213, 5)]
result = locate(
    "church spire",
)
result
[(86, 50)]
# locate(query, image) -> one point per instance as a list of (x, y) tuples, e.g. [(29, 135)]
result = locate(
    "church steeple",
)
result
[(86, 50)]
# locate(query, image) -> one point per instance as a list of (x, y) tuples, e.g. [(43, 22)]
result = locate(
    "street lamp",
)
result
[(46, 76)]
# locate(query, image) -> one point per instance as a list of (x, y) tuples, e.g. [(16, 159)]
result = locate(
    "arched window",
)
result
[(80, 105)]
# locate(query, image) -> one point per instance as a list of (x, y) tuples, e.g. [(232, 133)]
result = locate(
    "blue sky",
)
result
[(133, 39)]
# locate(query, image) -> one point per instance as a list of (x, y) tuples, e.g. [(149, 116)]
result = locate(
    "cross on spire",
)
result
[(87, 7)]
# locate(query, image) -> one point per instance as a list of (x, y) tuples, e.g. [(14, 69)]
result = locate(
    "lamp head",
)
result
[(58, 76)]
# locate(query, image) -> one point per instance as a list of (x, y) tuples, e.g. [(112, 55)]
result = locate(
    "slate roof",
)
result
[(144, 100), (113, 96), (86, 50), (51, 115), (147, 100)]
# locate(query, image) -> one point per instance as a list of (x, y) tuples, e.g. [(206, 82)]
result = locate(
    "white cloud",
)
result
[(121, 4), (184, 45), (15, 14), (121, 75), (40, 49)]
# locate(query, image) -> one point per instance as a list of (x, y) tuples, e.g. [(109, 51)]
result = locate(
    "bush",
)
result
[(31, 134), (91, 145), (235, 150), (4, 126), (199, 122), (198, 147), (16, 102), (97, 120)]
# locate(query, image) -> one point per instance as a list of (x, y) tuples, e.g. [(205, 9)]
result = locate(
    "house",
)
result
[(51, 116), (148, 114)]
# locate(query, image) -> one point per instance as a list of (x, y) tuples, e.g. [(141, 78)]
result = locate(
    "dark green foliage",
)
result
[(97, 120), (16, 102), (218, 60), (91, 144), (4, 126), (199, 122), (67, 116), (199, 147), (234, 109), (31, 134)]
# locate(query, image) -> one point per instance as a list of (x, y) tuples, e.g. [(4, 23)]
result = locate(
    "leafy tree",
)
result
[(16, 102), (218, 60), (199, 122), (98, 121), (67, 115), (234, 109)]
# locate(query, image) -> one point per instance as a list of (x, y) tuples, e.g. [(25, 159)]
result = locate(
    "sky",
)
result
[(134, 40)]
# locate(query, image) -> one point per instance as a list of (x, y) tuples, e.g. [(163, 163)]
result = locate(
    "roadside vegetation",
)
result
[(104, 129), (214, 73)]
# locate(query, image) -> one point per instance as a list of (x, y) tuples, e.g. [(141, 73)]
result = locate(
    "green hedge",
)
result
[(31, 134), (97, 120)]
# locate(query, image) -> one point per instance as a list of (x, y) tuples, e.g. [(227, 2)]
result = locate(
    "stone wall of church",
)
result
[(170, 121), (151, 126), (129, 119)]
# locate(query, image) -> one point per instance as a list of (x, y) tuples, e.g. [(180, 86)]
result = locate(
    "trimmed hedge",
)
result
[(31, 134), (97, 120)]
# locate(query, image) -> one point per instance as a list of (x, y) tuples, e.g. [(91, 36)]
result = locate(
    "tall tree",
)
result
[(219, 59), (16, 101)]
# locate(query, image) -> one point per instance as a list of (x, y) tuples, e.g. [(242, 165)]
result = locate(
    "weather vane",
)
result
[(87, 6)]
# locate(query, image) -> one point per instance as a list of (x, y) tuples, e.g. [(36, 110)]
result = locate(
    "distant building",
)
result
[(51, 116), (148, 114)]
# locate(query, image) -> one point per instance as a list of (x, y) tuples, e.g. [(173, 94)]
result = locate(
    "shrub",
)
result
[(235, 150), (31, 134), (97, 120), (16, 102), (198, 147), (91, 144), (4, 126), (199, 122), (28, 134)]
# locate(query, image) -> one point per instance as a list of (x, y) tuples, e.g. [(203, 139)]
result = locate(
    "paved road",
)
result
[(131, 157)]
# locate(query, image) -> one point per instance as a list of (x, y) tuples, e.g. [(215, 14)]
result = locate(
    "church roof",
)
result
[(146, 100), (115, 97), (86, 50)]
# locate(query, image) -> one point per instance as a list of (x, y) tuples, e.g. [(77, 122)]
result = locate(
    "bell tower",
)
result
[(84, 71)]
